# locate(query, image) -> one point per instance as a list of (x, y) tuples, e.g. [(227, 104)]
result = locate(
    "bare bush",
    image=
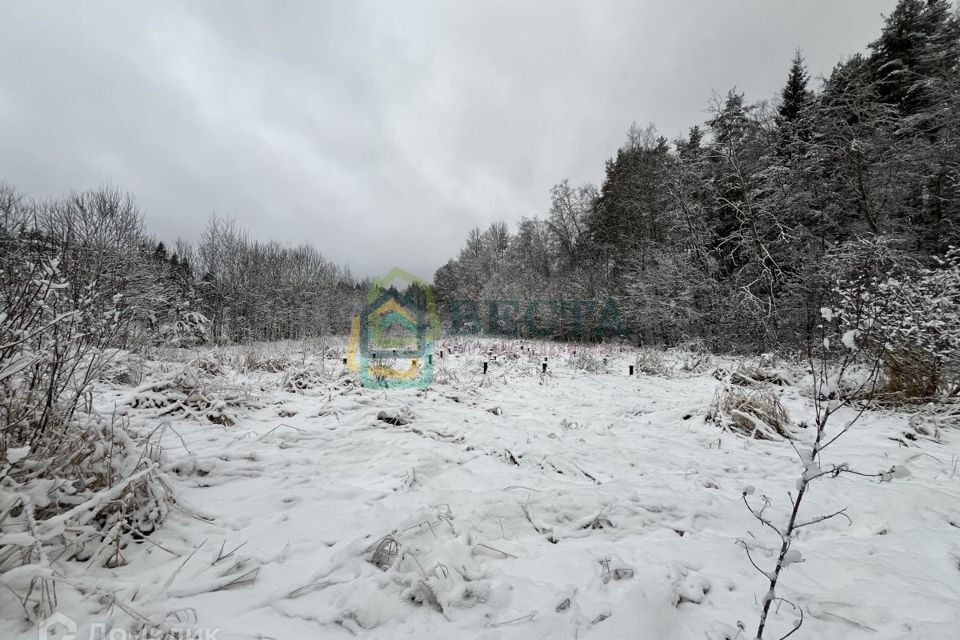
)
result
[(210, 364), (94, 507), (746, 376), (751, 411), (301, 379), (586, 361), (696, 363), (258, 360), (192, 393), (652, 363), (71, 484)]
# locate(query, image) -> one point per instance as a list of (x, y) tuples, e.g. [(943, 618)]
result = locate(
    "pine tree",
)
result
[(730, 123), (918, 48), (695, 137), (795, 96), (160, 253)]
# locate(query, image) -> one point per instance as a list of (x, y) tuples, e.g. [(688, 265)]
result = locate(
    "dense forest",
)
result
[(95, 256), (736, 234)]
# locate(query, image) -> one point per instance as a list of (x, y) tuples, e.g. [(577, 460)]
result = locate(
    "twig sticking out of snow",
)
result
[(385, 553)]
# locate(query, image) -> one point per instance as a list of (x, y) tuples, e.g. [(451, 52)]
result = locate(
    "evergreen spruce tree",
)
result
[(795, 96), (918, 48)]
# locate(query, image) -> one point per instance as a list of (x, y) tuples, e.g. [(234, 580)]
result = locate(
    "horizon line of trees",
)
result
[(737, 233), (228, 287)]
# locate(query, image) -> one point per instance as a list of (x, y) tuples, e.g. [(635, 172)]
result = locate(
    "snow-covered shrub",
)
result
[(83, 497), (586, 361), (126, 369), (271, 362), (533, 361), (188, 330), (193, 393), (652, 363), (51, 346), (56, 338), (696, 363), (753, 411), (443, 374), (746, 376), (301, 379), (210, 364), (430, 561), (909, 316), (697, 346), (71, 486)]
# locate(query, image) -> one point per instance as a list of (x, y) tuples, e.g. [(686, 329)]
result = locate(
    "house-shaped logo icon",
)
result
[(57, 627), (391, 341)]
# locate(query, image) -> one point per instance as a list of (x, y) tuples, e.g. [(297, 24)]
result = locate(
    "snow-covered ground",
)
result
[(572, 505)]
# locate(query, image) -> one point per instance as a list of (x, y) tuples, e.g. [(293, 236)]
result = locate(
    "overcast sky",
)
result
[(380, 132)]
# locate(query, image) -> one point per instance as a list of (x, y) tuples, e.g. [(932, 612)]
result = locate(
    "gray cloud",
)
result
[(379, 132)]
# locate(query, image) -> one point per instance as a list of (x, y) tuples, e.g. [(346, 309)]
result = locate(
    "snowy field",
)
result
[(583, 503)]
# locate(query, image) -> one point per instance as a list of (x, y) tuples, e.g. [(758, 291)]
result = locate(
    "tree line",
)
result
[(734, 235), (737, 233), (93, 251)]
